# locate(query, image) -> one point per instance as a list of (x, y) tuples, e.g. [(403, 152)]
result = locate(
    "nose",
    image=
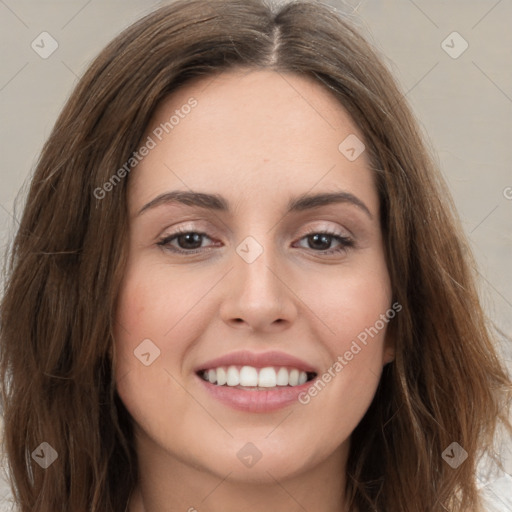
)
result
[(258, 297)]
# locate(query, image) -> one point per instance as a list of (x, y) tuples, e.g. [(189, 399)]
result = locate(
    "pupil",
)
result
[(324, 239), (189, 237)]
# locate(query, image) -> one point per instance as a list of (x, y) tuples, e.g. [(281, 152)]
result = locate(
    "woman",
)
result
[(319, 346)]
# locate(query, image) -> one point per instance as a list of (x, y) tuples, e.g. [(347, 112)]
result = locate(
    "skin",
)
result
[(258, 138)]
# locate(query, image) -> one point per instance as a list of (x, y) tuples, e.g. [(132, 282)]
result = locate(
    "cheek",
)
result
[(155, 318), (155, 302), (140, 344), (159, 311), (355, 308), (354, 300)]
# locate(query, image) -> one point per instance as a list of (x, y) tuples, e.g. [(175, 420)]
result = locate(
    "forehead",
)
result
[(254, 132), (280, 100)]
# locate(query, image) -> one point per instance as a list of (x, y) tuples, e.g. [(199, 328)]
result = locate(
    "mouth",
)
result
[(256, 382), (252, 378)]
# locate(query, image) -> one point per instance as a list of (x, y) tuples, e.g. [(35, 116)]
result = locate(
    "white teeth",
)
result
[(267, 378), (222, 377), (233, 377), (293, 378), (282, 377), (248, 376)]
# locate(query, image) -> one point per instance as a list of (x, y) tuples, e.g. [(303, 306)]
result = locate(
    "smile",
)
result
[(256, 382), (254, 379)]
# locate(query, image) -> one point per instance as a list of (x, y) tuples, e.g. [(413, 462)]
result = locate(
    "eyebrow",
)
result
[(216, 202)]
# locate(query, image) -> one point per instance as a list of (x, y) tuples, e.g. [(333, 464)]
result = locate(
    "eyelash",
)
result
[(345, 242)]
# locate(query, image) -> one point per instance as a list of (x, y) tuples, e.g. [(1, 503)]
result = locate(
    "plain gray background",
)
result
[(463, 100)]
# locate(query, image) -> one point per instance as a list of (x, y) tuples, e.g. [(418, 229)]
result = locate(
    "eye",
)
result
[(189, 242), (323, 239)]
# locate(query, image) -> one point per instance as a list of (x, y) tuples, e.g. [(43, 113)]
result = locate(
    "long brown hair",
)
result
[(57, 315)]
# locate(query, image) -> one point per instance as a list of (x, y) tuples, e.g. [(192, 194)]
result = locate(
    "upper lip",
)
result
[(257, 360)]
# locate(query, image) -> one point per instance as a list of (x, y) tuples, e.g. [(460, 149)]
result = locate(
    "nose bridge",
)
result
[(256, 268), (258, 294)]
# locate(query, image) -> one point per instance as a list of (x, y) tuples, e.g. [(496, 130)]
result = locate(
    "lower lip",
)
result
[(254, 400)]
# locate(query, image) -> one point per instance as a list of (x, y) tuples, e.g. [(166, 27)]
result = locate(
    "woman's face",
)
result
[(255, 291)]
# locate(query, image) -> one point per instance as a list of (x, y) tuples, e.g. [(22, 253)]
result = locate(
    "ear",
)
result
[(389, 350), (389, 356)]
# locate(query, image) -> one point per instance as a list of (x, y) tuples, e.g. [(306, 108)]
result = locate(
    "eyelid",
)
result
[(197, 226), (191, 226), (337, 230)]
